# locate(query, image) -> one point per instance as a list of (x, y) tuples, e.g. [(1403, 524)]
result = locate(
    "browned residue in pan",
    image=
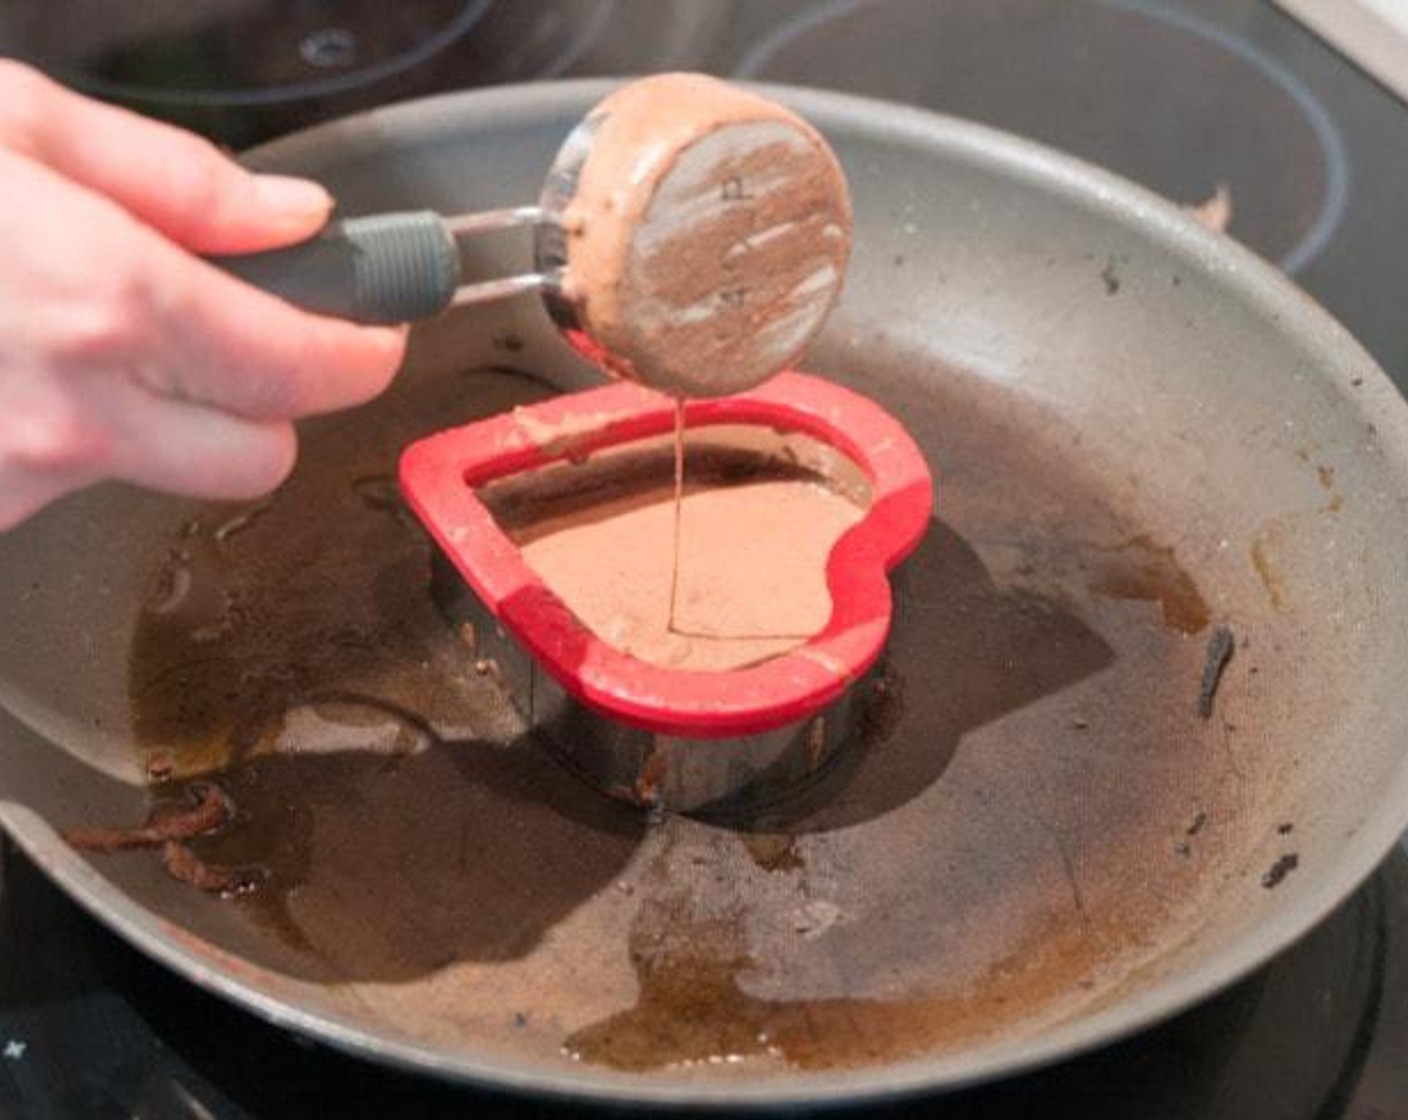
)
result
[(1278, 871), (183, 865), (1326, 475), (652, 773), (1216, 212), (201, 808), (997, 854), (697, 1005), (773, 851), (1221, 645), (1263, 556), (261, 610), (1142, 569)]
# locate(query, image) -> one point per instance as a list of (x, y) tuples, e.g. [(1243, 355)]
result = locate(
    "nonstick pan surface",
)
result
[(1139, 432)]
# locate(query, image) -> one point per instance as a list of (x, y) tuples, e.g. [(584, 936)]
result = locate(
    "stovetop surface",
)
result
[(1182, 96)]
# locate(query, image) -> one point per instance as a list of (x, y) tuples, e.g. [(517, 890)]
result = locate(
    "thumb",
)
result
[(172, 180)]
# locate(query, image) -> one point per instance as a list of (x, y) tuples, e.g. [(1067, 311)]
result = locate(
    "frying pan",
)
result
[(1139, 432)]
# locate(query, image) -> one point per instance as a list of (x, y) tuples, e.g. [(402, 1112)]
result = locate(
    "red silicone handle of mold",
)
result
[(438, 475)]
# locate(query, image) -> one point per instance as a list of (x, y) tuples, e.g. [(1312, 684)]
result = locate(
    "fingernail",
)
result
[(290, 195), (391, 340)]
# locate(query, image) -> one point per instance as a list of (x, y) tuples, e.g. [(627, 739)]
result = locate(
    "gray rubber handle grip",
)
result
[(385, 268)]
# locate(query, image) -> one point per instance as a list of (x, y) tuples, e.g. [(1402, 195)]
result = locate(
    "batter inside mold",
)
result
[(759, 516)]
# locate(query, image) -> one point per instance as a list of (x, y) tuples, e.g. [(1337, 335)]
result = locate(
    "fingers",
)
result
[(116, 429), (122, 355), (92, 289), (172, 180), (184, 448), (237, 348)]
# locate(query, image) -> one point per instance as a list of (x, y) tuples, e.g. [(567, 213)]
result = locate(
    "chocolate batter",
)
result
[(756, 530), (707, 236)]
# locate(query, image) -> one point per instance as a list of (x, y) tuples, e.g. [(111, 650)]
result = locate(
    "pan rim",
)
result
[(1160, 221)]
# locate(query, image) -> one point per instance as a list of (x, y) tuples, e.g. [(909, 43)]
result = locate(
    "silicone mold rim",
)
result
[(439, 474)]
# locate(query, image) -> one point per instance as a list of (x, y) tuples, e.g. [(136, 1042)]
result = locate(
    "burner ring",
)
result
[(329, 48), (784, 54), (1332, 146)]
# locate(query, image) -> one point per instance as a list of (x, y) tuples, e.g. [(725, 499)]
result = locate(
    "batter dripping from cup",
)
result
[(700, 235)]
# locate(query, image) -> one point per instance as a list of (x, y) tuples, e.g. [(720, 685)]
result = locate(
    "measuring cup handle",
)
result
[(384, 268)]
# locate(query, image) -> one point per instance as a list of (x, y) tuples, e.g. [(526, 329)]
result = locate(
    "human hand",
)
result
[(122, 353)]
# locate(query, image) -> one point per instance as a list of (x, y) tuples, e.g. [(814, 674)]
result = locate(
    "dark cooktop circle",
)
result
[(219, 53), (241, 71), (1152, 92)]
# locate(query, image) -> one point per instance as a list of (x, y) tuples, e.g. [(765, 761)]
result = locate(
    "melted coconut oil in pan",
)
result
[(965, 871)]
